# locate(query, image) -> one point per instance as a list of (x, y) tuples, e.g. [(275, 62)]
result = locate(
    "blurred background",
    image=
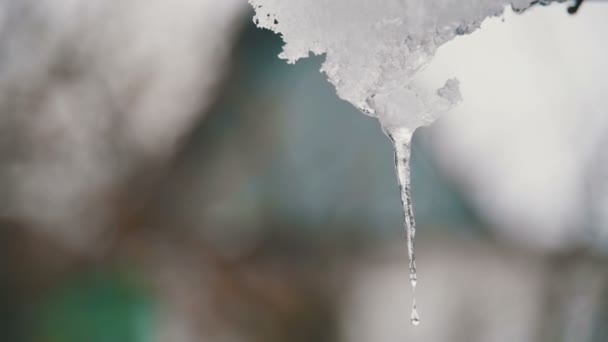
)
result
[(165, 177)]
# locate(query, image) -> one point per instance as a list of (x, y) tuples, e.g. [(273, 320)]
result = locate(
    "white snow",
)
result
[(374, 48)]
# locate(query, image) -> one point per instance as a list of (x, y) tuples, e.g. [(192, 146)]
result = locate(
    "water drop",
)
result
[(414, 318), (402, 140)]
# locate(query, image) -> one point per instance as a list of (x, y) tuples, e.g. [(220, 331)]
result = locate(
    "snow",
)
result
[(374, 49)]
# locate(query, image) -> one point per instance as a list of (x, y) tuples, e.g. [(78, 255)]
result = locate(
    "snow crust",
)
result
[(374, 49)]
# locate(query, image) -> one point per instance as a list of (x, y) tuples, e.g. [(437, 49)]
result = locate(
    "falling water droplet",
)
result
[(402, 139), (414, 318)]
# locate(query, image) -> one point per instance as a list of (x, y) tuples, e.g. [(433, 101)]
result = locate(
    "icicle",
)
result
[(402, 139)]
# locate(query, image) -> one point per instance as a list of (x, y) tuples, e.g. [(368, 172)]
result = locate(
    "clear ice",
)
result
[(402, 141)]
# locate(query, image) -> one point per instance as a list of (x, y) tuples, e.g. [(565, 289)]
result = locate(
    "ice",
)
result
[(401, 141), (373, 52)]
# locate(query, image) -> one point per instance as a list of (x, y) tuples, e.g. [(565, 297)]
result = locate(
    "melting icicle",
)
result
[(402, 139)]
